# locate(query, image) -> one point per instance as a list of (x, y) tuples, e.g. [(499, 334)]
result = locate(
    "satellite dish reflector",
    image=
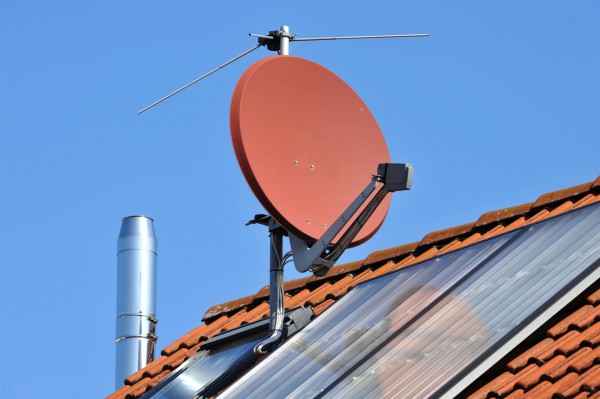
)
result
[(306, 144)]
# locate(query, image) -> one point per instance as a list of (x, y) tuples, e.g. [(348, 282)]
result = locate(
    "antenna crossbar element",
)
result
[(200, 78), (311, 39), (278, 40), (321, 256)]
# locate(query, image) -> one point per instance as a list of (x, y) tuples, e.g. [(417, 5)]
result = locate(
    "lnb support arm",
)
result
[(321, 256)]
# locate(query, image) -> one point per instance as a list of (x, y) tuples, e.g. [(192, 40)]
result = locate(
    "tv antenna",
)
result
[(279, 41), (307, 145)]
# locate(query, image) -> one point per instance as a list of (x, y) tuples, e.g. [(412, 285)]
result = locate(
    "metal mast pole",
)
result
[(284, 40), (276, 289)]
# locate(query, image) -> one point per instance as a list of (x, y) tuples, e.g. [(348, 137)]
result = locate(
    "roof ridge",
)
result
[(438, 238)]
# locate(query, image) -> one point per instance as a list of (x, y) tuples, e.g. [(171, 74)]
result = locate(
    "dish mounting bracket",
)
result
[(322, 255)]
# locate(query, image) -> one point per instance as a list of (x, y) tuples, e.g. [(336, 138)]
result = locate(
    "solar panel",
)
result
[(426, 331), (197, 374)]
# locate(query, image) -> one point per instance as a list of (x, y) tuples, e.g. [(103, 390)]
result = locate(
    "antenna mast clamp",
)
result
[(322, 255), (273, 40)]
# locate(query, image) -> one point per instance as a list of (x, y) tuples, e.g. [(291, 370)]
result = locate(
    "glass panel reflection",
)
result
[(194, 376), (408, 334)]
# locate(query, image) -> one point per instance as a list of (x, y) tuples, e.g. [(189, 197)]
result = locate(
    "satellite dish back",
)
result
[(306, 144)]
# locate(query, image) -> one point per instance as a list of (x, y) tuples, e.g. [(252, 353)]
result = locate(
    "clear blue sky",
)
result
[(499, 105)]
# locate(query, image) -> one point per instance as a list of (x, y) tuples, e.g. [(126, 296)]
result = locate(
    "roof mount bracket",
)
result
[(322, 255)]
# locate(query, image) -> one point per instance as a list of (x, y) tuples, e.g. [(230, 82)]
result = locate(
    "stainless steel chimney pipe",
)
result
[(136, 296)]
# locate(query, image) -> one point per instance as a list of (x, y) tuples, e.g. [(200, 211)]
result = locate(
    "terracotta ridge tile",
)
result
[(343, 269), (503, 215), (390, 253), (446, 234), (217, 310), (559, 195), (596, 183)]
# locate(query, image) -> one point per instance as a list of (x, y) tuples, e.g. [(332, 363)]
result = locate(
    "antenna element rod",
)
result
[(200, 78), (308, 39), (260, 36)]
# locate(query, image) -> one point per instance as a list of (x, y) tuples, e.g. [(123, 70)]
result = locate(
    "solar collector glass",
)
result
[(204, 368), (330, 344), (506, 299), (450, 312)]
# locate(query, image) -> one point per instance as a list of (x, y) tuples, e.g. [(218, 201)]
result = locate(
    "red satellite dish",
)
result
[(306, 144)]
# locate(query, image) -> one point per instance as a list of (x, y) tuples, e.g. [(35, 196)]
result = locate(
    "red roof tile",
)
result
[(561, 195), (503, 214), (446, 234), (563, 362), (390, 254)]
